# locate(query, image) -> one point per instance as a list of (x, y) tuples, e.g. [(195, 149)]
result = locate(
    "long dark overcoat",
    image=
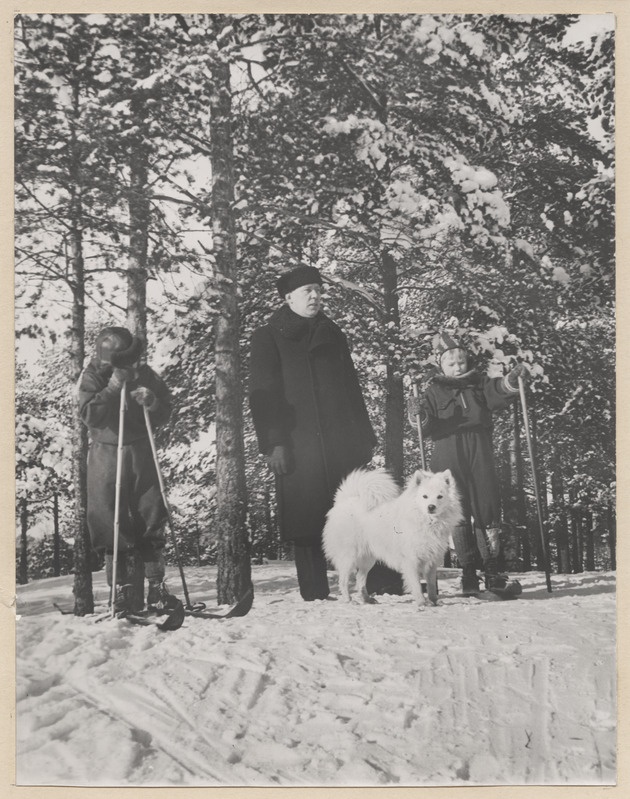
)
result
[(305, 395), (460, 423), (142, 514)]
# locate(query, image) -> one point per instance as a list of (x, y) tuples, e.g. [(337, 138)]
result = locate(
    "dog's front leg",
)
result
[(413, 584), (430, 576)]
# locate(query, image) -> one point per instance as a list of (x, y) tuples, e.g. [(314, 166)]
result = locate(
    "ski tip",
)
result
[(239, 608), (244, 604), (175, 618)]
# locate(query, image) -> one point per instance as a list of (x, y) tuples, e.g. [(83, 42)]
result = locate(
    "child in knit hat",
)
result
[(142, 514), (456, 412)]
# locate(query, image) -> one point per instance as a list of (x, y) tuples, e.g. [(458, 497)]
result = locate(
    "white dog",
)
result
[(372, 520)]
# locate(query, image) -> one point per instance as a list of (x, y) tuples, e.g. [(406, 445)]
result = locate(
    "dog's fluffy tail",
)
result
[(370, 488)]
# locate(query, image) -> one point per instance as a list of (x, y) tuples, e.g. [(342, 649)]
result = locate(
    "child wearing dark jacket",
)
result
[(142, 514), (456, 412)]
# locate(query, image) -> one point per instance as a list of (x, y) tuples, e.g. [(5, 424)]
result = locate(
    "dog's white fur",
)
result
[(372, 519)]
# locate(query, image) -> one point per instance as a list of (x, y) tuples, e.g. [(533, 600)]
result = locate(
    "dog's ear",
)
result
[(448, 476), (419, 476)]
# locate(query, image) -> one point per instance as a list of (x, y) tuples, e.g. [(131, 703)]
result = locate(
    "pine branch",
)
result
[(42, 206), (195, 200), (373, 100)]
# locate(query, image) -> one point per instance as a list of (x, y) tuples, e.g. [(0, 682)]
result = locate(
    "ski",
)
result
[(486, 596), (171, 620), (68, 610), (240, 608), (63, 611), (176, 616)]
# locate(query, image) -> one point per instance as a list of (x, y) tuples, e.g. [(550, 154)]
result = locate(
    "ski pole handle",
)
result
[(414, 389)]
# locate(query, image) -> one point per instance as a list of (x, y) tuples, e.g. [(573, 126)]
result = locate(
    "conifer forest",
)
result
[(441, 171)]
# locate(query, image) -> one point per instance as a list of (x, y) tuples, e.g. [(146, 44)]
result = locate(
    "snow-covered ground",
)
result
[(323, 693)]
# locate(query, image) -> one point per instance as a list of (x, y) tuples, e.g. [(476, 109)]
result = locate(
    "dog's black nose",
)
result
[(431, 508)]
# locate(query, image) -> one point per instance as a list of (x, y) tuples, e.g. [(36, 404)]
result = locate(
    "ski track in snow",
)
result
[(323, 693)]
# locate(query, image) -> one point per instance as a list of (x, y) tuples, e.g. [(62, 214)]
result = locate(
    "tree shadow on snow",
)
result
[(569, 586)]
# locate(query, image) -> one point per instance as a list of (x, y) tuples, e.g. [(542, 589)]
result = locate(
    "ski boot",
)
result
[(470, 584), (502, 585), (160, 601), (124, 600)]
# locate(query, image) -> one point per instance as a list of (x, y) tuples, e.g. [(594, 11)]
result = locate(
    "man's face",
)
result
[(306, 300), (132, 367), (454, 362)]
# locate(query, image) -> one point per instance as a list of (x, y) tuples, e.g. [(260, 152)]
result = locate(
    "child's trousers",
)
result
[(142, 515)]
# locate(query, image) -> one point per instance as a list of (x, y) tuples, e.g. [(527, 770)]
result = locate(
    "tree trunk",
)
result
[(83, 596), (394, 390), (198, 543), (612, 537), (520, 507), (139, 207), (23, 572), (510, 543), (56, 536), (541, 482), (589, 541), (234, 568), (270, 532), (544, 507), (561, 531), (381, 577), (576, 538)]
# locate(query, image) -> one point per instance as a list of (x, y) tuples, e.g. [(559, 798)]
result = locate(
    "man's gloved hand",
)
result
[(121, 375), (520, 370), (144, 396), (414, 406), (278, 460), (415, 409)]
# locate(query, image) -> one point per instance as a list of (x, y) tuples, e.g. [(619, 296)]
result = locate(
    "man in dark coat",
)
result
[(142, 515), (309, 415)]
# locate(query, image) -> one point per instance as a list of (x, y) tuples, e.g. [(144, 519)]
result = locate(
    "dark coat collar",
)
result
[(104, 370), (320, 329), (470, 378)]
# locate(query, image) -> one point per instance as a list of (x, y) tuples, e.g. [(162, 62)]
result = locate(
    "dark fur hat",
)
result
[(116, 346), (300, 276)]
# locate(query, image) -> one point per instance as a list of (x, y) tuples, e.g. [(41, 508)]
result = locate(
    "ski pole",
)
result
[(521, 391), (169, 515), (419, 428), (119, 453)]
